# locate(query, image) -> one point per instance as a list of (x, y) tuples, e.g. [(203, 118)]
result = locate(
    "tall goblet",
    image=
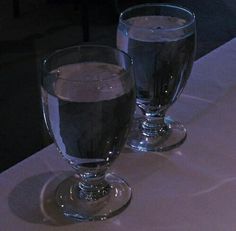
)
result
[(88, 97), (161, 40)]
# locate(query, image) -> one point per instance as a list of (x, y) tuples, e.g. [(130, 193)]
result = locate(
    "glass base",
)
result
[(174, 136), (81, 209)]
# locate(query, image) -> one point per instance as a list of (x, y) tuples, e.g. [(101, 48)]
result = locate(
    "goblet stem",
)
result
[(154, 126), (92, 185), (155, 131), (93, 195)]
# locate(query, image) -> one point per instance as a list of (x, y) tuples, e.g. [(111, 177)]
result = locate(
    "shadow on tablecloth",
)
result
[(33, 199)]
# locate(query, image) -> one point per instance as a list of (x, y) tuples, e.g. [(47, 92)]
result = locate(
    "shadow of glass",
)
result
[(33, 199)]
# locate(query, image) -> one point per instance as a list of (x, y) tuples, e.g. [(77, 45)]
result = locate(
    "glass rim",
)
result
[(168, 5), (58, 51)]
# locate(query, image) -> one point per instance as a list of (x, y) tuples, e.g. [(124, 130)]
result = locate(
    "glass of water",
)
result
[(88, 97), (161, 40)]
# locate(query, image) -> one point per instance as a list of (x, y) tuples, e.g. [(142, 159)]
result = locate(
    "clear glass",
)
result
[(161, 39), (88, 97)]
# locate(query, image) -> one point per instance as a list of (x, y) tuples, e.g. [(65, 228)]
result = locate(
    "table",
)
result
[(192, 187)]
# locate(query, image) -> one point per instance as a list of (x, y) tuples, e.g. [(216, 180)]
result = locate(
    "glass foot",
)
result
[(174, 136), (113, 202)]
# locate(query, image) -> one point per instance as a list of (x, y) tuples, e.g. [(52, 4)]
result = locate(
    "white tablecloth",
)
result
[(191, 188)]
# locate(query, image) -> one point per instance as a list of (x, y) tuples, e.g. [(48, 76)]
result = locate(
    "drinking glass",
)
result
[(161, 40), (88, 97)]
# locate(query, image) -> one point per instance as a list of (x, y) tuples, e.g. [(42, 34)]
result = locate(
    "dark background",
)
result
[(31, 29)]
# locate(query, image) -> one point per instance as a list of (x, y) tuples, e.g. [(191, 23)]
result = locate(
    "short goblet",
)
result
[(161, 40), (88, 98)]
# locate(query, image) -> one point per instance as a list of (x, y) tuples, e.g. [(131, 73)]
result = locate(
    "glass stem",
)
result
[(92, 184), (154, 124)]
